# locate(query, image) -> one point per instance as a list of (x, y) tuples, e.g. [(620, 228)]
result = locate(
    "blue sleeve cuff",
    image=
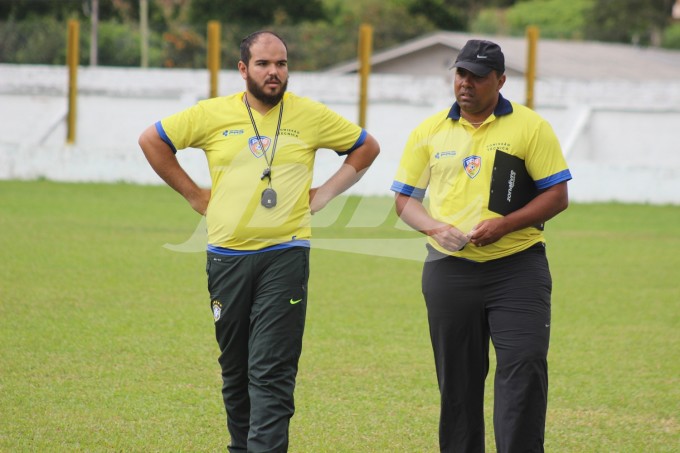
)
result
[(564, 175), (409, 191), (164, 137), (360, 141)]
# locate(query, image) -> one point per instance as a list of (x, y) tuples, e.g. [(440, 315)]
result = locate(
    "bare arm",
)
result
[(412, 211), (165, 164), (351, 171), (544, 207)]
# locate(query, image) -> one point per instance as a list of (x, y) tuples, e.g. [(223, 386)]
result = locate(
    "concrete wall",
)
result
[(620, 138)]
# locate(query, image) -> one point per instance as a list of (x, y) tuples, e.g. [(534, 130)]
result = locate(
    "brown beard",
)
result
[(260, 95)]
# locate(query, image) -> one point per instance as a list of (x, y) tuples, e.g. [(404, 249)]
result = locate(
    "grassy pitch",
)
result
[(106, 340)]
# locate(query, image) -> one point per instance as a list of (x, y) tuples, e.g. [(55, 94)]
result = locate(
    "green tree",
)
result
[(314, 45), (41, 40), (491, 21), (119, 45), (445, 15), (671, 37), (391, 21), (256, 12), (555, 18), (20, 10), (637, 21), (452, 14)]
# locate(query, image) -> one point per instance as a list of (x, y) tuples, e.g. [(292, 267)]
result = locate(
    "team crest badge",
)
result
[(255, 148), (216, 309), (472, 164)]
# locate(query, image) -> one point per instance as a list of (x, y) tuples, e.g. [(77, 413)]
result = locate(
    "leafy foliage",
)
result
[(20, 10), (250, 12), (118, 45), (491, 21), (632, 21), (671, 37), (184, 47), (637, 21), (451, 15), (555, 18), (176, 43), (39, 40), (319, 33)]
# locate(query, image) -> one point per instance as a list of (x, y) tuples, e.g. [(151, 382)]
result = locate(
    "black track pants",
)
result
[(507, 300), (259, 303)]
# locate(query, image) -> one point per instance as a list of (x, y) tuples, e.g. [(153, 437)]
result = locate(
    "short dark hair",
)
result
[(248, 41)]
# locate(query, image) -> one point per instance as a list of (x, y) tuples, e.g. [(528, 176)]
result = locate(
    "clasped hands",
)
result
[(452, 239)]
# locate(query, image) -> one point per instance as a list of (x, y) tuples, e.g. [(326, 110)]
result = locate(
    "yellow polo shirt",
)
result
[(222, 128), (446, 156)]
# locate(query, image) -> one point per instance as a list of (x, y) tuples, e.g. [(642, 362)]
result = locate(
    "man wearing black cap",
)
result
[(495, 173)]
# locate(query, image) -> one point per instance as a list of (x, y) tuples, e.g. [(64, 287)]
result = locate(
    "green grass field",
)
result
[(106, 337)]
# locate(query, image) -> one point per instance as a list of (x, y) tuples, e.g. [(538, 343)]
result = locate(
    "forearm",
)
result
[(164, 162), (351, 171), (412, 211), (174, 175), (343, 179), (541, 209), (414, 214)]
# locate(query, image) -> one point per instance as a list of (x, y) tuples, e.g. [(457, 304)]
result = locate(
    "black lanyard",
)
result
[(267, 173)]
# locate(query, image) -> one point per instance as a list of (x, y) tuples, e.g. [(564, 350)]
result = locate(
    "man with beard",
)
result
[(260, 146), (495, 172)]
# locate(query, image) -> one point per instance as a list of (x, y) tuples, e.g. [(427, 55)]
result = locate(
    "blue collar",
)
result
[(504, 107)]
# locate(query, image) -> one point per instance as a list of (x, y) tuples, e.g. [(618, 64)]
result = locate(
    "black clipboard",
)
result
[(511, 186)]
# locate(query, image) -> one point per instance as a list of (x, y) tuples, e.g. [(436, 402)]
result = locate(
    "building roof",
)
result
[(555, 58)]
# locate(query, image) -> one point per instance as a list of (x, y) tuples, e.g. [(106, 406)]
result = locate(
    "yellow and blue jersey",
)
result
[(454, 162), (221, 127)]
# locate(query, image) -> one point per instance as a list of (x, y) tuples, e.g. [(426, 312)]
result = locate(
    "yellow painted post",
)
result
[(214, 33), (532, 40), (144, 31), (72, 59), (365, 48)]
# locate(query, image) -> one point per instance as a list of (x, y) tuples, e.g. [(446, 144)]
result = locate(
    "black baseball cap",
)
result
[(480, 57)]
